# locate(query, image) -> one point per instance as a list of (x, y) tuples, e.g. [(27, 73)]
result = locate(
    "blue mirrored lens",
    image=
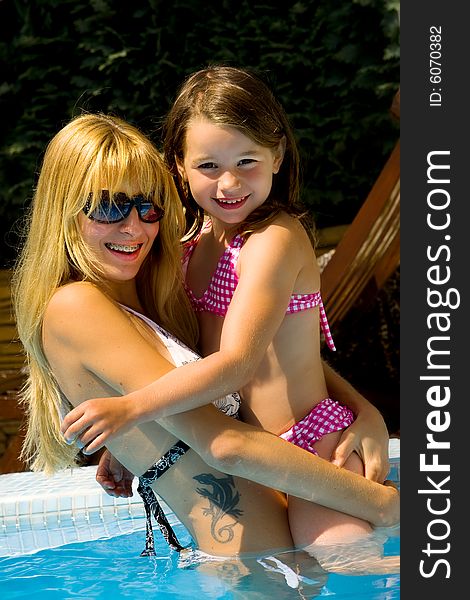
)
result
[(110, 213), (120, 207)]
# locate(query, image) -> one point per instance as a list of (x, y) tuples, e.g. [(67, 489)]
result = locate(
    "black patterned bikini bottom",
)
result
[(151, 503)]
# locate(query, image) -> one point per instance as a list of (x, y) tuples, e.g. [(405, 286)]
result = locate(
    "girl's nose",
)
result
[(229, 181)]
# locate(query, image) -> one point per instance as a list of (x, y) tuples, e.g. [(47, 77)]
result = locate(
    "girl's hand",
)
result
[(113, 477), (368, 437), (94, 422)]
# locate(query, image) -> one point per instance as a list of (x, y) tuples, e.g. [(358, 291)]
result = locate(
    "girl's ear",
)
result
[(279, 155), (181, 170)]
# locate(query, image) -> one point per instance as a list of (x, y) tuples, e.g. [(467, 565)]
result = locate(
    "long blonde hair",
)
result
[(89, 149)]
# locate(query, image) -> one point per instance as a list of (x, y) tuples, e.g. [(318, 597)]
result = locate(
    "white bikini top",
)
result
[(181, 355)]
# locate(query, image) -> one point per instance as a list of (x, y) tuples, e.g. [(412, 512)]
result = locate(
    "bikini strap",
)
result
[(325, 327), (151, 503)]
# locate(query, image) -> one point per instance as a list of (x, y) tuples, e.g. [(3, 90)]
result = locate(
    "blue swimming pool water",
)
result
[(112, 568)]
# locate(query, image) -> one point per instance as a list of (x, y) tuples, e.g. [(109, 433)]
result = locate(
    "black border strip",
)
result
[(435, 116)]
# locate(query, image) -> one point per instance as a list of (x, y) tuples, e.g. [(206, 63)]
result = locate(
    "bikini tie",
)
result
[(151, 503)]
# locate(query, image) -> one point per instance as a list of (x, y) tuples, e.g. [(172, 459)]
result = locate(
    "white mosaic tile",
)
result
[(38, 512), (394, 448)]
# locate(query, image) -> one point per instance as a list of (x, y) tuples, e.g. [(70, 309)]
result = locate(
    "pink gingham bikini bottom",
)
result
[(325, 417)]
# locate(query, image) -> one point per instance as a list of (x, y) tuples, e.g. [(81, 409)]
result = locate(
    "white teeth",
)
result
[(120, 248), (226, 201)]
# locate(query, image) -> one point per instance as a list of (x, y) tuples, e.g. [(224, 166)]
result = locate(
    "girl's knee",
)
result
[(355, 464)]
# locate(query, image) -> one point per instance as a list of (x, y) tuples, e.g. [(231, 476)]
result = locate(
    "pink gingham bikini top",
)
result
[(218, 295)]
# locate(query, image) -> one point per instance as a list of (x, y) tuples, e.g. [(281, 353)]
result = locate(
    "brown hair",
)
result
[(240, 99)]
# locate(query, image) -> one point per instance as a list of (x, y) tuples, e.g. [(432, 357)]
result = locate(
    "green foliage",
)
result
[(335, 67)]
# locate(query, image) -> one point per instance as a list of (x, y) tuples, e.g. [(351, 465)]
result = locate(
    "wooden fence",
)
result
[(11, 379)]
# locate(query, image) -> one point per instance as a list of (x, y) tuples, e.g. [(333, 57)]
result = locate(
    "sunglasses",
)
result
[(119, 208)]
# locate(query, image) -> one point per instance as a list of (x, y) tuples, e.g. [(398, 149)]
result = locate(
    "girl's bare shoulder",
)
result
[(286, 233)]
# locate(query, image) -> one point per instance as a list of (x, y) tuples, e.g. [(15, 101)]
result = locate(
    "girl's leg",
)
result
[(339, 542), (314, 523)]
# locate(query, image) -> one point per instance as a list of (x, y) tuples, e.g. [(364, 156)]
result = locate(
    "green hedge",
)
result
[(334, 65)]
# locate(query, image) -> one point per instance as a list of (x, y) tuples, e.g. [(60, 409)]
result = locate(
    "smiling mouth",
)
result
[(124, 248), (231, 202)]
